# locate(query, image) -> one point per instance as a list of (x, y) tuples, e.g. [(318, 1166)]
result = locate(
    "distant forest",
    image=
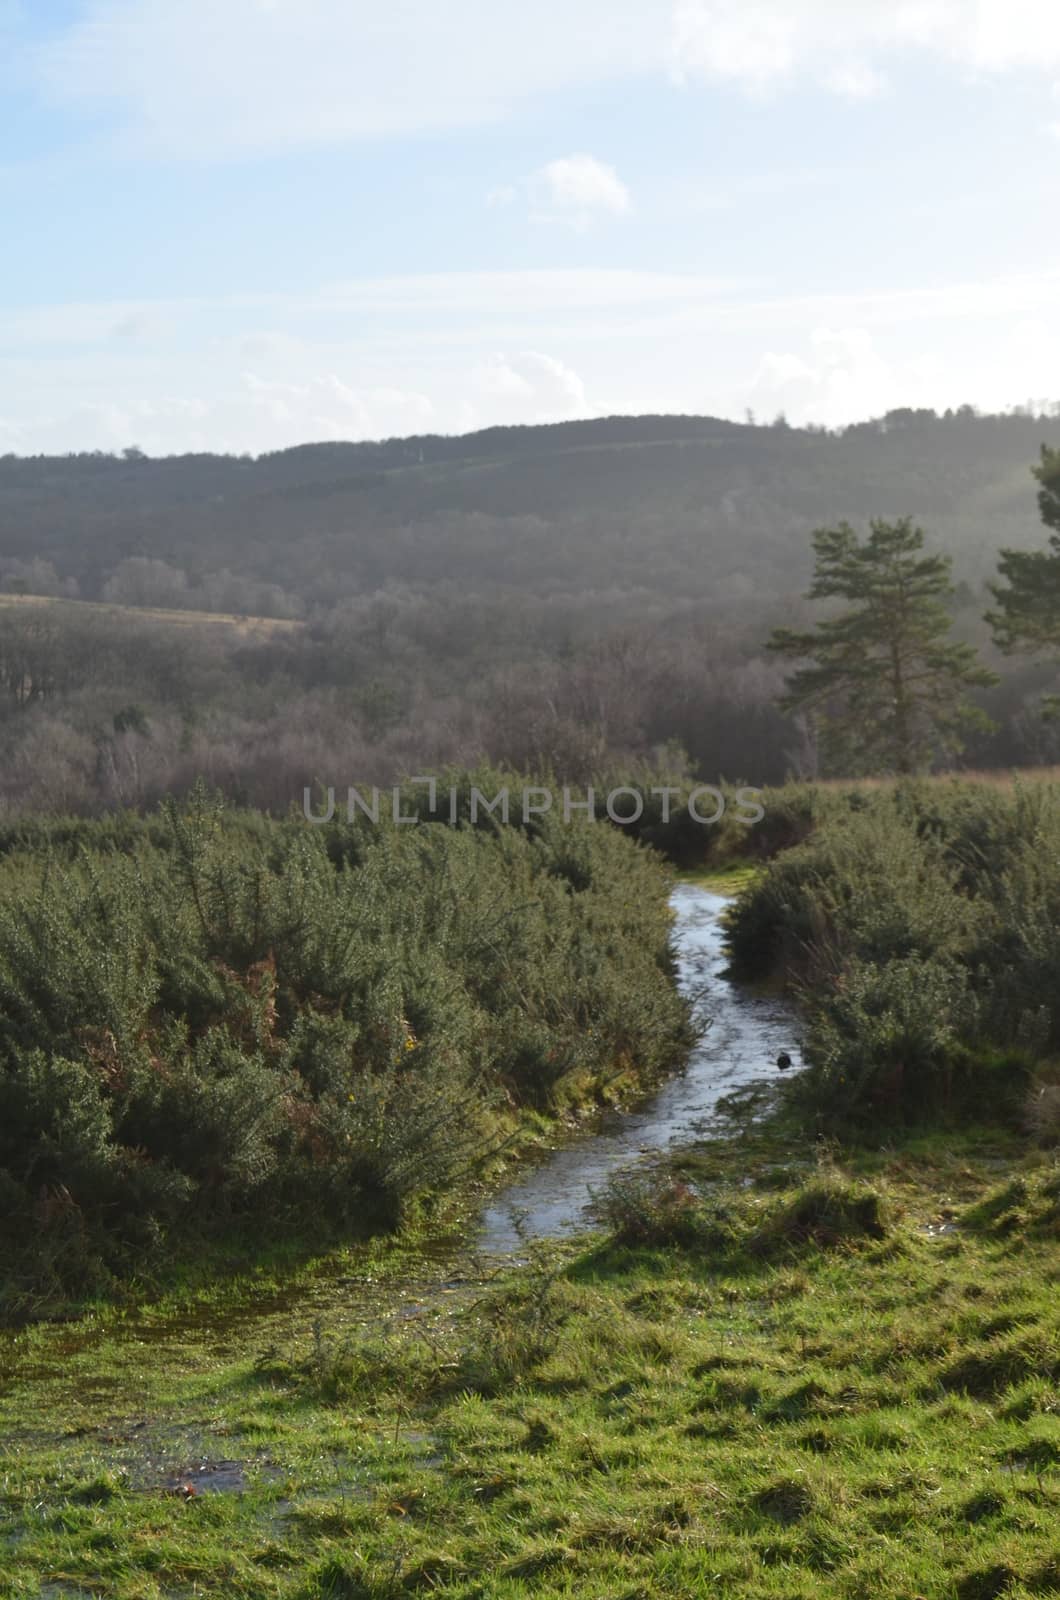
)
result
[(584, 596)]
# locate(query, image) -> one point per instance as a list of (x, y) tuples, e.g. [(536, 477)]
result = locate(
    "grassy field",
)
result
[(179, 619), (778, 1375)]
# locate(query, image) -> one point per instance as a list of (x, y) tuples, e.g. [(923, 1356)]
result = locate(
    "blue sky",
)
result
[(239, 224)]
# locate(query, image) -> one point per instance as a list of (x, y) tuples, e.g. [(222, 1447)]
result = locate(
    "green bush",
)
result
[(211, 1021), (867, 884), (918, 925), (881, 1037)]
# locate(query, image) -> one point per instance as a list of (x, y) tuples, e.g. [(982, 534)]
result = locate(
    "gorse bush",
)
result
[(919, 925), (205, 1023), (883, 1038), (864, 882)]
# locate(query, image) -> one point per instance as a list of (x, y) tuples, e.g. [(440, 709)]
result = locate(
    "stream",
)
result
[(746, 1033), (747, 1030)]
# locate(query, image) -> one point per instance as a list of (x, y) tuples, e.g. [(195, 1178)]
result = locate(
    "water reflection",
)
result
[(747, 1032)]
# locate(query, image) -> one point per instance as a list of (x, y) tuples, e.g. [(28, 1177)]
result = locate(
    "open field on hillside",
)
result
[(178, 619)]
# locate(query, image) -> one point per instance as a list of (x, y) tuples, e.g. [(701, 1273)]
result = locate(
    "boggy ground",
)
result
[(778, 1372)]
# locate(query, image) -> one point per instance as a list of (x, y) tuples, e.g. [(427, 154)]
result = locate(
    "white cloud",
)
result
[(451, 351), (194, 77), (760, 45), (781, 372), (576, 189), (267, 345), (754, 44), (582, 185), (405, 300), (326, 407), (250, 413), (255, 413), (856, 80), (420, 309), (1034, 353), (845, 376), (529, 387)]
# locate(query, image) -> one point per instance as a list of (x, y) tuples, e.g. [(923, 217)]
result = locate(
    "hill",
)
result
[(673, 506), (585, 596)]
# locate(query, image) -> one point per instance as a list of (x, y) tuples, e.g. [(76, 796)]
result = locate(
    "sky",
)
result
[(244, 224)]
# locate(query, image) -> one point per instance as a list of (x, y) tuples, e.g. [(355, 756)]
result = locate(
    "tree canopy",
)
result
[(883, 678), (1028, 597)]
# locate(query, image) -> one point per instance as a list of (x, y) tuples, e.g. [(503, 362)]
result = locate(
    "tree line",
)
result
[(582, 599)]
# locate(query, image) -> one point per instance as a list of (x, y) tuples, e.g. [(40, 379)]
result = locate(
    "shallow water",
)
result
[(747, 1032)]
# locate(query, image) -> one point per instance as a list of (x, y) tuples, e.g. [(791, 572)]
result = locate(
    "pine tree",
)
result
[(1028, 599), (884, 681)]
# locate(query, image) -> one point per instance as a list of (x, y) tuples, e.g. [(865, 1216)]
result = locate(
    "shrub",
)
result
[(918, 923), (208, 1021), (881, 1038)]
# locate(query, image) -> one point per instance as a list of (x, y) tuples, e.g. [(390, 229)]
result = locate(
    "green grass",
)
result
[(796, 1409), (728, 879)]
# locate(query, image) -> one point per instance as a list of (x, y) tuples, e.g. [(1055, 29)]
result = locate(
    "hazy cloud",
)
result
[(856, 80), (505, 194), (193, 77), (577, 190), (759, 45), (450, 351), (844, 374), (529, 387), (582, 187), (326, 407)]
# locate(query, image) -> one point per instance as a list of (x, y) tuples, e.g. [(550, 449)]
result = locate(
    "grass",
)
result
[(797, 1409), (179, 619)]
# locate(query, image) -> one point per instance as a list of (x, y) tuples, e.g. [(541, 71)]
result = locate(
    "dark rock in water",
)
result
[(783, 1061)]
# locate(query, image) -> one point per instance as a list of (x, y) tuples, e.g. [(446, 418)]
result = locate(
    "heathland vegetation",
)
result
[(817, 1355), (814, 1357), (918, 925), (576, 595), (218, 1028), (213, 1021)]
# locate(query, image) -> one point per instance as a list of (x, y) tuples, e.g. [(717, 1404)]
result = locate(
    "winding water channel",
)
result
[(746, 1033)]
